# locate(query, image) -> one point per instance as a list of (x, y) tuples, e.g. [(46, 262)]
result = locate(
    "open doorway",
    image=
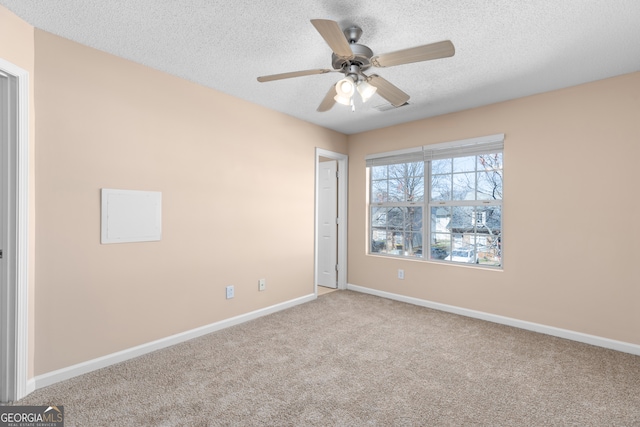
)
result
[(14, 162), (331, 220)]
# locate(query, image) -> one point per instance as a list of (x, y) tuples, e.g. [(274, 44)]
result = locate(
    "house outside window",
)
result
[(440, 202)]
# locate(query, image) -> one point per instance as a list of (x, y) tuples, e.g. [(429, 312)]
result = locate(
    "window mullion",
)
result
[(466, 203), (398, 204), (426, 213)]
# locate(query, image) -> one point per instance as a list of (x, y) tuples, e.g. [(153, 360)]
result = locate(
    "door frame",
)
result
[(14, 283), (343, 182)]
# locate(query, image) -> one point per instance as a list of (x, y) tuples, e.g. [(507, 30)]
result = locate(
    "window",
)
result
[(454, 188), (396, 217)]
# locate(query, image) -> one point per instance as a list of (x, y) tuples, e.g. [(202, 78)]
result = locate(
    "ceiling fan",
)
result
[(352, 59)]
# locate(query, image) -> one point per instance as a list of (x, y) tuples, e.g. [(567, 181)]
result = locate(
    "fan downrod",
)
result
[(353, 34)]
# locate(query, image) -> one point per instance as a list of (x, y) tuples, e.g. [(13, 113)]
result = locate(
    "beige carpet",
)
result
[(382, 363)]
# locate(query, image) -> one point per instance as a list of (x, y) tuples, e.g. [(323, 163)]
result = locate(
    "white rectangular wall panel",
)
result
[(131, 216)]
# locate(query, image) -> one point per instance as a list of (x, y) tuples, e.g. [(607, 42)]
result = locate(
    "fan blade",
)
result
[(425, 52), (293, 74), (328, 102), (388, 91), (333, 35)]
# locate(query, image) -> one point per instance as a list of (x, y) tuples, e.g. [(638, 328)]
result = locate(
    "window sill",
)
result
[(437, 262)]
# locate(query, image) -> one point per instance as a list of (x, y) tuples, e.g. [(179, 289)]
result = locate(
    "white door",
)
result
[(328, 228)]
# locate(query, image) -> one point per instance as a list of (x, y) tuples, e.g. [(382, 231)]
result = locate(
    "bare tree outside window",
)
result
[(397, 227)]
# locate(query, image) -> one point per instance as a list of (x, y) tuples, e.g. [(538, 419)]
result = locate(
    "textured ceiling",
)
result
[(504, 49)]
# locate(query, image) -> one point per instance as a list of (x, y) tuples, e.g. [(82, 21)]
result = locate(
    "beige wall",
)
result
[(17, 47), (571, 245), (237, 183)]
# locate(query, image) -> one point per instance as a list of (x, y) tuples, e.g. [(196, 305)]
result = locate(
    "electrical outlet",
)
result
[(230, 292), (401, 274), (262, 284)]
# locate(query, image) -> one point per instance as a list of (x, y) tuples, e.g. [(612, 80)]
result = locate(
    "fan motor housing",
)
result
[(362, 58)]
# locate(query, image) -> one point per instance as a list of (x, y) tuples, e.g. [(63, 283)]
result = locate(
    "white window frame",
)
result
[(427, 154)]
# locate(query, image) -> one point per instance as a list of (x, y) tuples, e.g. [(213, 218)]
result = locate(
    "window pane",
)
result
[(378, 172), (440, 219), (379, 191), (396, 190), (415, 248), (397, 171), (415, 188), (492, 216), (441, 166), (398, 244), (463, 242), (464, 186), (407, 218), (378, 217), (462, 249), (406, 244), (489, 252), (464, 164), (489, 237), (490, 161), (414, 218), (395, 218), (441, 187), (406, 182), (490, 176), (416, 169), (462, 220), (490, 185), (380, 240), (440, 245)]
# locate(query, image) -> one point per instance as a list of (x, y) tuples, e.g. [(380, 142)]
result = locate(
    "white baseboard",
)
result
[(120, 356), (31, 387), (522, 324)]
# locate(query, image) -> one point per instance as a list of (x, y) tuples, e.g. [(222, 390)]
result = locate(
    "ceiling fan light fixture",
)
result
[(366, 90), (344, 100), (345, 87)]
